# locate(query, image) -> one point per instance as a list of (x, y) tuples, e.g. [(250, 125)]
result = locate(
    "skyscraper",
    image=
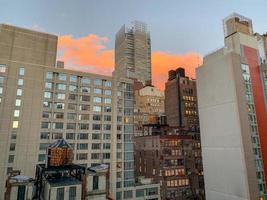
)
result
[(40, 103), (232, 107), (133, 52), (181, 100)]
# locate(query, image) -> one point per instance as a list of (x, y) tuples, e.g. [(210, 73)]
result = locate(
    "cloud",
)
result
[(162, 62), (90, 54)]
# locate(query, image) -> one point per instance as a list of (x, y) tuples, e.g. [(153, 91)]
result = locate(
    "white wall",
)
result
[(223, 154)]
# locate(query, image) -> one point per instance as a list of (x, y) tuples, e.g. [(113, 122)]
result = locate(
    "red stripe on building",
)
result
[(254, 66)]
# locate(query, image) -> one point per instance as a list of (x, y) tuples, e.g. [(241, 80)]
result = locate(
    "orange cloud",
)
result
[(90, 54), (87, 53), (162, 62)]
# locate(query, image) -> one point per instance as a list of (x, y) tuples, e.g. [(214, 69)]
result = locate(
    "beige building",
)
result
[(133, 52), (232, 113), (40, 103), (148, 106)]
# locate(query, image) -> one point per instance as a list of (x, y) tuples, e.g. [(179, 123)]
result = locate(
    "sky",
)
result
[(182, 32)]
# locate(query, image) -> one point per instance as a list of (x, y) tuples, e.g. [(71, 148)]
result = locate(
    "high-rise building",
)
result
[(231, 88), (133, 52), (148, 106), (40, 103), (172, 157), (181, 100)]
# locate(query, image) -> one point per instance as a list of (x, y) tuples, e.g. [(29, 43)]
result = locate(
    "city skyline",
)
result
[(87, 37)]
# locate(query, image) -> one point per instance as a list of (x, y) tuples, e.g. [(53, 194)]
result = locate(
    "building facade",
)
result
[(232, 109), (133, 52), (148, 106), (181, 100), (172, 157), (40, 103)]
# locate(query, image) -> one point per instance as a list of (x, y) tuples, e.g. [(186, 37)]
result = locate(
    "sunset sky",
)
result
[(181, 31)]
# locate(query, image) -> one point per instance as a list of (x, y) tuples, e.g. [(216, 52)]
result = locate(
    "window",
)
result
[(73, 78), (11, 158), (58, 125), (60, 96), (107, 109), (71, 126), (71, 106), (107, 127), (2, 68), (128, 194), (73, 88), (95, 136), (48, 85), (107, 83), (1, 90), (60, 194), (41, 157), (107, 136), (82, 136), (97, 117), (97, 99), (72, 193), (46, 125), (98, 82), (82, 146), (85, 80), (85, 89), (106, 146), (95, 146), (96, 126), (12, 147), (83, 126), (13, 135), (58, 115), (16, 113), (21, 71), (84, 107), (108, 92), (140, 193), (97, 91), (43, 146), (20, 81), (81, 156), (97, 109), (59, 105), (48, 95), (95, 182), (107, 118), (19, 92), (106, 155), (70, 136), (85, 98), (72, 97), (57, 136), (15, 124), (95, 156), (49, 75), (62, 77), (84, 117), (44, 135), (61, 86), (46, 104), (72, 116)]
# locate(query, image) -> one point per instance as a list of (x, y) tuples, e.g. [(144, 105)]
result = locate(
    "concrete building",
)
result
[(172, 157), (148, 106), (181, 100), (40, 103), (133, 52), (232, 110)]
